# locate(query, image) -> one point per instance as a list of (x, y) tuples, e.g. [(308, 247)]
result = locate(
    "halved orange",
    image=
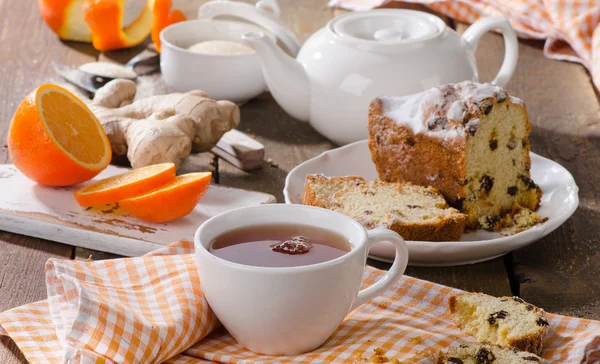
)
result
[(55, 140), (126, 185), (172, 201)]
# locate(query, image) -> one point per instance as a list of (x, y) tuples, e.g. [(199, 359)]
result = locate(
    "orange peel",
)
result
[(105, 19), (163, 17), (100, 22), (65, 18)]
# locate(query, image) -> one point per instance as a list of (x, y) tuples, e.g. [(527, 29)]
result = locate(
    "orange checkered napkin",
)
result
[(151, 310), (570, 27)]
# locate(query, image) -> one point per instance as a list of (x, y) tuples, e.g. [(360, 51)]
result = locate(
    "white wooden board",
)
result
[(52, 213)]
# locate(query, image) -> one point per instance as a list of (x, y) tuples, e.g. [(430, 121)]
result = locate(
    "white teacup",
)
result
[(290, 310)]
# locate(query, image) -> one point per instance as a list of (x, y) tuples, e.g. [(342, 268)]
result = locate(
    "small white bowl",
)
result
[(237, 77)]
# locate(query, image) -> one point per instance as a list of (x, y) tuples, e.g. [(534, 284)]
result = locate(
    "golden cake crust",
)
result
[(434, 139), (396, 151)]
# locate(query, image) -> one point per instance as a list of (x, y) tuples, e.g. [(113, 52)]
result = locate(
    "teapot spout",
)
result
[(285, 77)]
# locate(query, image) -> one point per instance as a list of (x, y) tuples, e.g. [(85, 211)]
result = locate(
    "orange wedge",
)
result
[(172, 201), (126, 185), (55, 140)]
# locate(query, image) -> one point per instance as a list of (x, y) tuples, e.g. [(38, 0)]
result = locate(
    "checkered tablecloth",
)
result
[(151, 310), (570, 27)]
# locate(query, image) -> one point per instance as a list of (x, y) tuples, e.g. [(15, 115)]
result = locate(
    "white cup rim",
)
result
[(356, 246), (165, 37)]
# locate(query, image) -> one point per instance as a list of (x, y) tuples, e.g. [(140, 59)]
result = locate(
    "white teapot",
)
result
[(359, 56)]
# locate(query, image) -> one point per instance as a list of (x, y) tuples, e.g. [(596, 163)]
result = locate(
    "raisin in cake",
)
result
[(485, 354), (468, 140), (508, 322), (415, 212)]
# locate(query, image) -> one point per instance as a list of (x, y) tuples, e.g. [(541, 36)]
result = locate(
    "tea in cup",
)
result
[(281, 278)]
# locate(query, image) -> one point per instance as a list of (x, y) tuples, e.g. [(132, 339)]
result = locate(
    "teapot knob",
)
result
[(389, 34)]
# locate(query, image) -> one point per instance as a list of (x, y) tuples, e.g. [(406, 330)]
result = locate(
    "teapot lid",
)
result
[(258, 14), (387, 26)]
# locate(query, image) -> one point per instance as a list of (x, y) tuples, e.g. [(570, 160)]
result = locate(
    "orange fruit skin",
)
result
[(104, 18), (53, 13), (34, 152), (163, 17), (169, 202), (122, 192)]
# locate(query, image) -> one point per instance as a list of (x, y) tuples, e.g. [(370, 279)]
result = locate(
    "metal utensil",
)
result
[(79, 78), (148, 61)]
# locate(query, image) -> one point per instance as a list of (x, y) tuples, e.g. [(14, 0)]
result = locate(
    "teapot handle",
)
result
[(511, 44)]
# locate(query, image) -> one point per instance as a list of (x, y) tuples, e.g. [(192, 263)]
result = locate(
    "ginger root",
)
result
[(164, 128)]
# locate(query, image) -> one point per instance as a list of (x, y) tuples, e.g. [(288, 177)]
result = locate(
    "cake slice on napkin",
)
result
[(485, 354), (469, 140), (415, 212), (508, 322)]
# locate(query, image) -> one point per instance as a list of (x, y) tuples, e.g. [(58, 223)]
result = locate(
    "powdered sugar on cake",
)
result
[(447, 111), (405, 110)]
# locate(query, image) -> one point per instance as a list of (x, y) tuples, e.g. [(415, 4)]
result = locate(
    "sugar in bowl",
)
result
[(208, 53)]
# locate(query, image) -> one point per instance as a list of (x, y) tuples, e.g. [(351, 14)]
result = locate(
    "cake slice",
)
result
[(319, 189), (508, 322), (416, 213), (485, 354), (469, 140)]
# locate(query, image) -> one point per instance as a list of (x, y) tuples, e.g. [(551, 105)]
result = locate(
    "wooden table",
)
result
[(559, 273)]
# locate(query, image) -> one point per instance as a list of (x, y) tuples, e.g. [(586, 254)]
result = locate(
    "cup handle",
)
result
[(511, 44), (396, 270)]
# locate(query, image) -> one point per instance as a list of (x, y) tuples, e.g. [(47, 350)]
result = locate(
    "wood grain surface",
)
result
[(27, 49), (558, 273)]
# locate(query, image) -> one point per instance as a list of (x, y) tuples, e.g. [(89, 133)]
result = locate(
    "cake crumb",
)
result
[(378, 357), (272, 163), (520, 220), (416, 340)]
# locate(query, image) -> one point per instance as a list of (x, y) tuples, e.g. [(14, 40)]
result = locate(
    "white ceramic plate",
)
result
[(559, 201)]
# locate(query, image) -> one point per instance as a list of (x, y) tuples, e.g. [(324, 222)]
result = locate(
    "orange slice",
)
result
[(126, 185), (172, 201), (55, 140)]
